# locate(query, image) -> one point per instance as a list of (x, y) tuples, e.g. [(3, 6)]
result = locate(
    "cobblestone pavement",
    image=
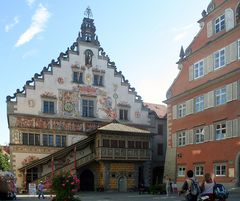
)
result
[(130, 196)]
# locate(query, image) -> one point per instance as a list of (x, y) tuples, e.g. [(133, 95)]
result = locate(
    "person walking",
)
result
[(40, 190), (190, 187)]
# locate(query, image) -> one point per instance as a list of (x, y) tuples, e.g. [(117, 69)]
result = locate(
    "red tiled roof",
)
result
[(160, 110)]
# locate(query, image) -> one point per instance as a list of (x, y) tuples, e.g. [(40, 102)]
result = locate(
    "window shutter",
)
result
[(205, 100), (189, 106), (235, 128), (191, 137), (233, 52), (206, 133), (187, 137), (235, 90), (227, 54), (211, 133), (174, 111), (190, 73), (229, 125), (174, 140), (229, 92), (210, 99), (209, 29), (229, 19), (209, 66), (205, 66)]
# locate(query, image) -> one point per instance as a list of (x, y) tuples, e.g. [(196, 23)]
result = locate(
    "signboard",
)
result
[(32, 189)]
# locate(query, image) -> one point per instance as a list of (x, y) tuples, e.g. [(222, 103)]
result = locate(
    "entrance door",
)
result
[(86, 181), (122, 184)]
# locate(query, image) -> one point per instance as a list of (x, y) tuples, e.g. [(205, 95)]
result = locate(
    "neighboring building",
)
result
[(81, 92), (204, 100), (158, 119)]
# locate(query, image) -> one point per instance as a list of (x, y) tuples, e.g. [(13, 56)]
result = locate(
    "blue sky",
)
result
[(142, 37)]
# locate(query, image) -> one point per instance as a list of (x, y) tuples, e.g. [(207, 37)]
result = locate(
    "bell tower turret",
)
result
[(88, 28)]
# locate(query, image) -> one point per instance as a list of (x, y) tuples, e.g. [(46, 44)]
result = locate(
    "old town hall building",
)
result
[(204, 100), (80, 113)]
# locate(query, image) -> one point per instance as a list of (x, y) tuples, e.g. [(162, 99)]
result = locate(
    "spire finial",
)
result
[(88, 12)]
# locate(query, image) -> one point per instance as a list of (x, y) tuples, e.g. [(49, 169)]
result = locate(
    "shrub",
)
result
[(65, 185)]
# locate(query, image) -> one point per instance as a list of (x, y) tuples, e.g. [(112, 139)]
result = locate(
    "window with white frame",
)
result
[(198, 69), (220, 96), (220, 131), (88, 108), (181, 110), (220, 169), (219, 59), (239, 47), (181, 138), (199, 170), (220, 24), (199, 103), (199, 135), (181, 171)]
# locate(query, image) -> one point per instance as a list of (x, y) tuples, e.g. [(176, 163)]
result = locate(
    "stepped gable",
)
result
[(86, 35)]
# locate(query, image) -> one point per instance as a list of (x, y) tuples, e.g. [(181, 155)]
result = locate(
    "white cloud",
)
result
[(30, 2), (180, 36), (8, 27), (39, 21)]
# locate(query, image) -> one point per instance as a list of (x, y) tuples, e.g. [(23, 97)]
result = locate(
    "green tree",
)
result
[(4, 162)]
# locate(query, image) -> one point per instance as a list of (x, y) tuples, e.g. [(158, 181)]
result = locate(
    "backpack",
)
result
[(194, 188), (220, 192)]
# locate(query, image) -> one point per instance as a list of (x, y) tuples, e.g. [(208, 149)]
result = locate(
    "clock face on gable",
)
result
[(68, 107)]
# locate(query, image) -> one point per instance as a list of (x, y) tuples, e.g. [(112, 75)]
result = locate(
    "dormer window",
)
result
[(220, 24)]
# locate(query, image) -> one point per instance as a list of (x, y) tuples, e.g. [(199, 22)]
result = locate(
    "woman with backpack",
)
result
[(207, 187)]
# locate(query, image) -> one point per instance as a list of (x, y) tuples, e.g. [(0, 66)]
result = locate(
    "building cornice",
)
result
[(203, 86)]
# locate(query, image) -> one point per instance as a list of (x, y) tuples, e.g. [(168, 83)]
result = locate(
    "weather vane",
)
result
[(88, 12)]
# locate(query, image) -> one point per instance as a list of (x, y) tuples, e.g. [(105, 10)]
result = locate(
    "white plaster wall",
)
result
[(50, 85)]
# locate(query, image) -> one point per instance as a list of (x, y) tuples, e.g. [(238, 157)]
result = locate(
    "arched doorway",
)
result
[(87, 181), (122, 184)]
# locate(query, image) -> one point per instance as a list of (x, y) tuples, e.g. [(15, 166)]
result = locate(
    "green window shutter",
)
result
[(209, 29), (187, 137), (229, 92), (209, 63), (210, 99), (191, 137), (233, 51), (227, 54), (235, 127), (206, 133), (229, 125), (235, 90), (205, 101), (211, 133), (205, 66), (174, 112), (189, 106), (229, 19), (190, 73)]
